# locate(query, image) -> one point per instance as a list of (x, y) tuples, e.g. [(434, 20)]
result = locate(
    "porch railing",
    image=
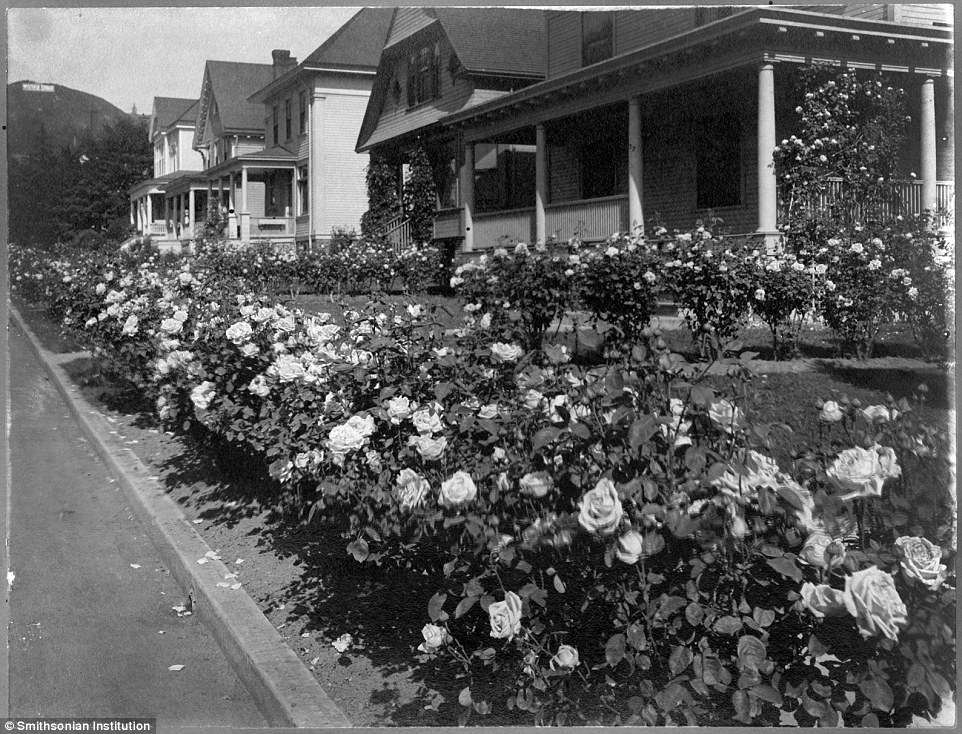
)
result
[(447, 223), (905, 198), (398, 233), (157, 228), (492, 229), (272, 226), (589, 219)]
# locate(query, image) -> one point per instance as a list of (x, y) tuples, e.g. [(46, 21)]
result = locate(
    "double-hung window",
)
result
[(424, 77)]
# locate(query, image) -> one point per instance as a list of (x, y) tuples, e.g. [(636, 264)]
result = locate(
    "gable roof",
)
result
[(504, 42), (355, 45), (171, 110), (231, 83), (496, 40)]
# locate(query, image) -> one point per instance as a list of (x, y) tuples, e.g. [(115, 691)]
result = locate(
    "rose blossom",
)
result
[(822, 550), (631, 547), (249, 349), (288, 368), (502, 352), (879, 414), (429, 448), (726, 415), (601, 509), (171, 326), (532, 399), (822, 600), (202, 394), (536, 484), (130, 325), (412, 488), (505, 617), (321, 333), (862, 472), (759, 471), (259, 386), (921, 561), (831, 412), (239, 332), (871, 597), (427, 421), (434, 637), (399, 408), (343, 439), (566, 658), (362, 423), (458, 489), (488, 411)]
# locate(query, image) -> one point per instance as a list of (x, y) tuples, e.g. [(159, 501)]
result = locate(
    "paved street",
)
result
[(90, 635)]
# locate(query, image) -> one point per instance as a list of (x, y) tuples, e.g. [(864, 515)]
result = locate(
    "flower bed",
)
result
[(608, 535)]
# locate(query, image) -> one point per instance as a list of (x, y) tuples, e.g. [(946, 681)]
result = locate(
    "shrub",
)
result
[(783, 298)]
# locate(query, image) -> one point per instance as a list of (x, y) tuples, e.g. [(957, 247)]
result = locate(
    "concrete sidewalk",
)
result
[(92, 632)]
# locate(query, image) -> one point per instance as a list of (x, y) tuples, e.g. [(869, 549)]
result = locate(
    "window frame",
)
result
[(301, 110), (274, 124), (424, 74), (590, 53), (303, 192), (288, 118)]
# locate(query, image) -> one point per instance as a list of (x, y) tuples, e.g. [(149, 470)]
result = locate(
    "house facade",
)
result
[(665, 116), (171, 134), (314, 180)]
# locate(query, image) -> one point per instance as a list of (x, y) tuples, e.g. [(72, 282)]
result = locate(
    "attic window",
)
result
[(424, 79), (454, 67), (597, 37), (396, 91)]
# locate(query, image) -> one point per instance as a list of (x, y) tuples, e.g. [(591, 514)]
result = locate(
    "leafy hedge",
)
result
[(609, 538)]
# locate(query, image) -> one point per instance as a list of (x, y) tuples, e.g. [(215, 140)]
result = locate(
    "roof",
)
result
[(496, 40), (356, 44), (232, 82), (171, 110)]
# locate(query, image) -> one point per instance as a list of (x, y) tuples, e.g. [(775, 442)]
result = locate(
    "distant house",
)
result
[(438, 62), (171, 132), (660, 115), (314, 180)]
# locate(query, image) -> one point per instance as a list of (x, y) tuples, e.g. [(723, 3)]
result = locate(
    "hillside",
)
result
[(59, 113)]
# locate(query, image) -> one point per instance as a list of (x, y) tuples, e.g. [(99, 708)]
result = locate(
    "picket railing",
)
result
[(905, 198), (398, 233)]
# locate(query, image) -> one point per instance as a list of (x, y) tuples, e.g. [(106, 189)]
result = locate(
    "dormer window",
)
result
[(597, 37), (424, 79)]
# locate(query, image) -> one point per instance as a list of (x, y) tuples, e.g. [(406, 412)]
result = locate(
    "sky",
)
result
[(129, 55)]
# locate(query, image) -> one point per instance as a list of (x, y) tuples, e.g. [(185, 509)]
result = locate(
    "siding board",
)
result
[(407, 21)]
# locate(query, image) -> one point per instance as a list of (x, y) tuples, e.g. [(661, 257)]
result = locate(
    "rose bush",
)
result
[(611, 540)]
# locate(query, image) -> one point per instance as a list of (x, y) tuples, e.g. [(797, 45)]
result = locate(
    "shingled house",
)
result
[(626, 118)]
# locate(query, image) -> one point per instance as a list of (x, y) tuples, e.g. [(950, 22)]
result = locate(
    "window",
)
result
[(597, 34), (274, 124), (287, 119), (424, 79), (503, 176), (718, 160), (301, 111), (303, 203), (604, 165)]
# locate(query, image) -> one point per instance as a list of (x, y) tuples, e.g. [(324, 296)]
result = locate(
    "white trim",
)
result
[(340, 71), (344, 92)]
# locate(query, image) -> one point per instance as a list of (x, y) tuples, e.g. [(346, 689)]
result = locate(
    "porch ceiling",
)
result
[(748, 37)]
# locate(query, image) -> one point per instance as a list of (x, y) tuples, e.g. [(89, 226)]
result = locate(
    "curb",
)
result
[(285, 691)]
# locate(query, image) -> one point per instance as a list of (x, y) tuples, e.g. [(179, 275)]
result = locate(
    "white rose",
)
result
[(831, 412), (100, 289), (502, 352), (288, 368), (249, 349), (600, 509), (566, 658), (259, 386), (171, 326), (399, 408), (921, 560), (239, 332), (488, 411), (344, 439), (429, 448), (130, 325), (861, 472), (822, 600), (757, 471), (726, 415), (871, 597), (427, 421), (458, 490), (536, 484), (630, 547), (362, 423), (412, 488), (434, 638), (532, 399), (505, 617), (180, 315), (202, 394), (878, 414)]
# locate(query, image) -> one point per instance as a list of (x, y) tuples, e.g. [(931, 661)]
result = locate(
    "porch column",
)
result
[(193, 214), (177, 217), (150, 213), (292, 200), (636, 216), (540, 183), (132, 222), (166, 214), (231, 212), (140, 215), (245, 216), (467, 195), (767, 191), (927, 168)]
